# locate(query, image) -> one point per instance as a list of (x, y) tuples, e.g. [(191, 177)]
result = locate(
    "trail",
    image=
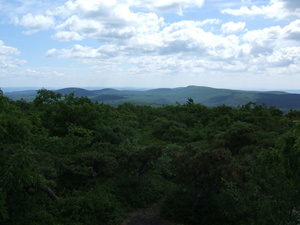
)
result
[(146, 216)]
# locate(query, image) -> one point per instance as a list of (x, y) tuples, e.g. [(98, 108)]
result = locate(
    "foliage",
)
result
[(220, 165)]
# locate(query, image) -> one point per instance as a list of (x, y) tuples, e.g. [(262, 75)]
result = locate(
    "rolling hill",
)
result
[(166, 96), (78, 92)]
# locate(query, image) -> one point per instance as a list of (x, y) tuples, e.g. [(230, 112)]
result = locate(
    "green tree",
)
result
[(20, 172), (45, 97)]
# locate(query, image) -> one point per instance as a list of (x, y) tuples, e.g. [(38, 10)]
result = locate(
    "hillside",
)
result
[(27, 95), (78, 92), (169, 96)]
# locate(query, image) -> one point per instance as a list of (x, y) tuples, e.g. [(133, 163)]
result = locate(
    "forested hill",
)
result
[(169, 96)]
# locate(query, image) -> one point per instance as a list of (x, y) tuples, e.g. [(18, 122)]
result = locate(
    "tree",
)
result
[(20, 172), (238, 136), (45, 97), (190, 102), (3, 210)]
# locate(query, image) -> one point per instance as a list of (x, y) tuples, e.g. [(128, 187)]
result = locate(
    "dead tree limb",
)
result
[(51, 194)]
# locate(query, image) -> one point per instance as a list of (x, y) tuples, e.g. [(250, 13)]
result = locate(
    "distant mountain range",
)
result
[(167, 96)]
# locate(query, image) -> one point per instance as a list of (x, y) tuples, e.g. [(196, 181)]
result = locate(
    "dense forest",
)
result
[(66, 160)]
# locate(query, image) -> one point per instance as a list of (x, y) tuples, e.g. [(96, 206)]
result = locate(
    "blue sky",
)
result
[(238, 44)]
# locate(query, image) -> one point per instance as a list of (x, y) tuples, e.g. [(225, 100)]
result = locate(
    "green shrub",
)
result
[(96, 206)]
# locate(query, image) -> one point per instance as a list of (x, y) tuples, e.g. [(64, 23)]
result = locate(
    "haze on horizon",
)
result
[(246, 44)]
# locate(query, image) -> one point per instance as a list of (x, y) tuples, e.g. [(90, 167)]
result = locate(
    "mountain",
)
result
[(27, 95), (164, 96), (78, 92)]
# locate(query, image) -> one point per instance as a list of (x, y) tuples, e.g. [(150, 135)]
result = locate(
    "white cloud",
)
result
[(7, 50), (89, 7), (37, 73), (185, 47), (244, 11), (209, 22), (292, 31), (263, 41), (80, 52), (67, 36), (231, 27), (51, 52), (285, 57), (280, 62), (169, 5), (7, 59), (35, 23), (280, 9), (132, 37), (9, 62), (103, 22), (179, 48), (185, 38), (266, 41)]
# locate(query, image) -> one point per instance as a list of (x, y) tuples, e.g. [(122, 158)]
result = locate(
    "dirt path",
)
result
[(146, 216)]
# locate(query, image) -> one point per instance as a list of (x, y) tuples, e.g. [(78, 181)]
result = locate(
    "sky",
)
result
[(235, 44)]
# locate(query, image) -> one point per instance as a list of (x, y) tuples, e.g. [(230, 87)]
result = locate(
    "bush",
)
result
[(95, 207)]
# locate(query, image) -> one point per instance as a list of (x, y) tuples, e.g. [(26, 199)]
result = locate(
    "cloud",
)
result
[(103, 22), (7, 50), (285, 57), (132, 37), (185, 38), (231, 27), (245, 11), (90, 7), (35, 23), (76, 52), (169, 5), (67, 36), (86, 52), (291, 4), (292, 31), (189, 38), (265, 41), (51, 52), (185, 47), (7, 59), (36, 73), (282, 62), (280, 9)]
